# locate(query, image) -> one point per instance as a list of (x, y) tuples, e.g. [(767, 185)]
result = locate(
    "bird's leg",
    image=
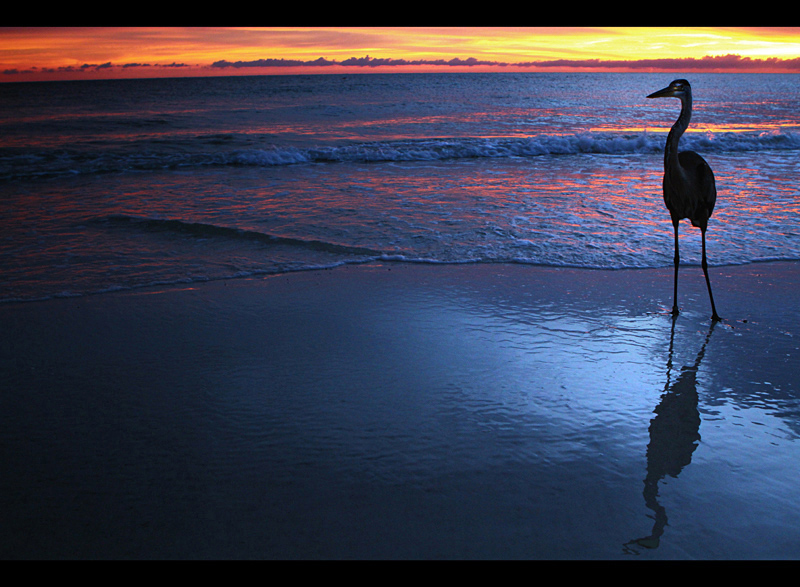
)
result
[(675, 310), (714, 316)]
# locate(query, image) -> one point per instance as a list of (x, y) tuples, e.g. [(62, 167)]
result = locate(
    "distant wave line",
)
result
[(205, 230)]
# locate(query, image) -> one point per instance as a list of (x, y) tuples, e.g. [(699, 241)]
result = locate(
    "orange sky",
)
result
[(108, 52)]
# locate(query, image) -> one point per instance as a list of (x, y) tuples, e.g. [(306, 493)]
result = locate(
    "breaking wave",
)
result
[(28, 163)]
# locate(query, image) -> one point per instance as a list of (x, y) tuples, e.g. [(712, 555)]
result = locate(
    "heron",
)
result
[(689, 187)]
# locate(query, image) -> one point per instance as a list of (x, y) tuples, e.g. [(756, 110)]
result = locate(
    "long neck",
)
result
[(671, 150)]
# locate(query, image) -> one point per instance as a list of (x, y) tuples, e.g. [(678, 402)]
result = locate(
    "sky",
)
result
[(54, 53)]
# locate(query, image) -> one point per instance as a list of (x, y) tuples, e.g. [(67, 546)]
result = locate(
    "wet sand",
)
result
[(407, 411)]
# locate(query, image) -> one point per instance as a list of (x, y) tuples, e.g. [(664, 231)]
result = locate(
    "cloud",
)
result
[(365, 61), (368, 61), (708, 63), (730, 62), (95, 66), (272, 63)]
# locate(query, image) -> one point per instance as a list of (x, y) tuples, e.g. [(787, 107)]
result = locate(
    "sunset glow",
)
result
[(30, 54)]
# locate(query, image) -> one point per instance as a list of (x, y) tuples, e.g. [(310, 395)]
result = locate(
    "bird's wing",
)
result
[(702, 177)]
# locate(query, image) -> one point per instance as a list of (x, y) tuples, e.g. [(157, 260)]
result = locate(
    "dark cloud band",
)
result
[(708, 63)]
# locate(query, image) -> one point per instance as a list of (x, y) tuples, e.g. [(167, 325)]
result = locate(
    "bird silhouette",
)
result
[(689, 187)]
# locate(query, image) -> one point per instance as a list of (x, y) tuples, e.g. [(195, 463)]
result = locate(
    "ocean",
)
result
[(114, 185)]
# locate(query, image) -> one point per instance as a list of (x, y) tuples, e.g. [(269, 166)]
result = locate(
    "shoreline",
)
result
[(745, 270)]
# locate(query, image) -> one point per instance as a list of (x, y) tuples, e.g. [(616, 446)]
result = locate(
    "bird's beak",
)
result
[(667, 92)]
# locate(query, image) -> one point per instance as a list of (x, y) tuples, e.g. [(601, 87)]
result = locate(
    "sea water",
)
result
[(108, 185)]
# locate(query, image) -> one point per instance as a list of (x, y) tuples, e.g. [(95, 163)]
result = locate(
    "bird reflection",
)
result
[(674, 436)]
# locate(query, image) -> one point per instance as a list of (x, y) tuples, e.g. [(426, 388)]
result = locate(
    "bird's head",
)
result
[(679, 88)]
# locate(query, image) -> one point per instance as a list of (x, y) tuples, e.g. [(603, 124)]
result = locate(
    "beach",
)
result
[(407, 411)]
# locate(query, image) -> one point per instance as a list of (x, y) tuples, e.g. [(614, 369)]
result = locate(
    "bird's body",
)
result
[(689, 186), (690, 192)]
